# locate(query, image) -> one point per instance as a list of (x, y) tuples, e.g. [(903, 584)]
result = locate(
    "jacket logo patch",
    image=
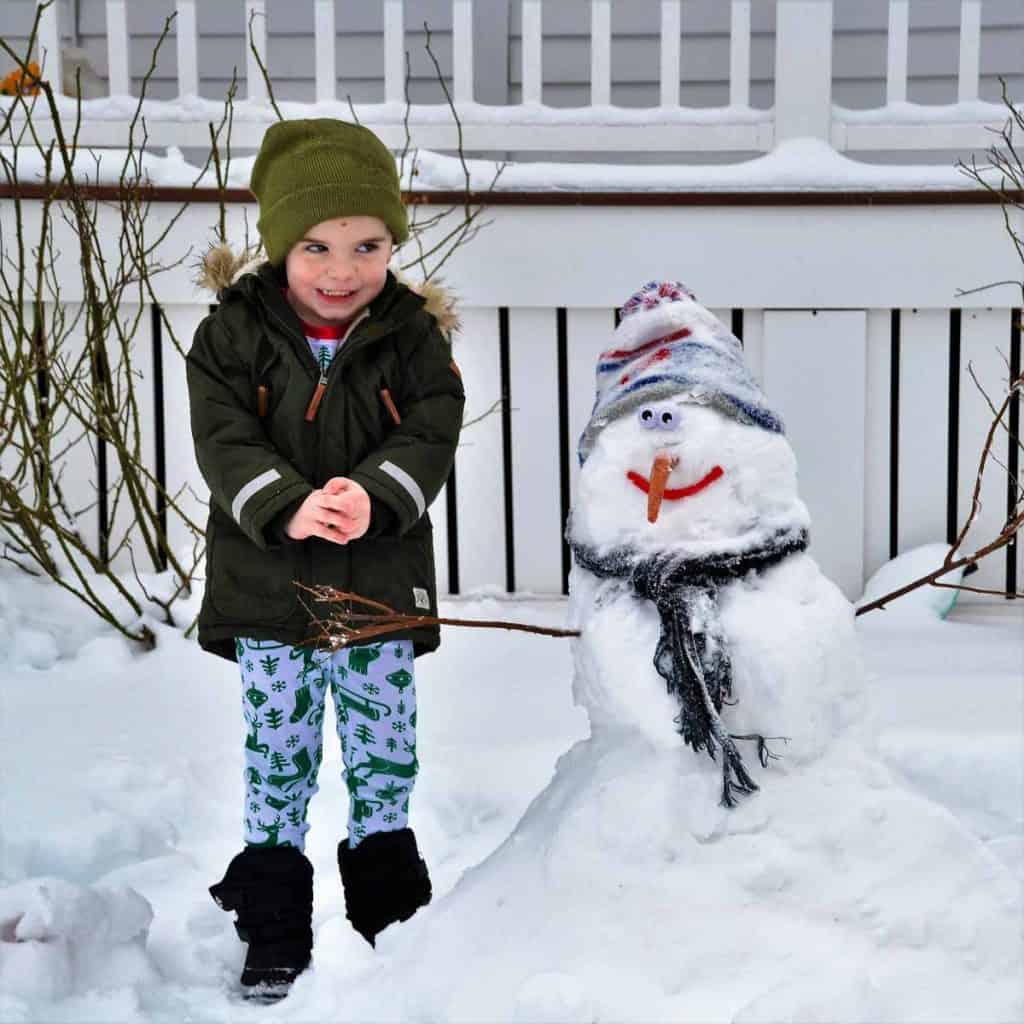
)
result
[(421, 598)]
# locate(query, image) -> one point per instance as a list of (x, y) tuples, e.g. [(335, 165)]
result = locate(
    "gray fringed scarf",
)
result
[(692, 655)]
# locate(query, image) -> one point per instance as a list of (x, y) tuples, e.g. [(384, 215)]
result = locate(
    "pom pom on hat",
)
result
[(668, 345)]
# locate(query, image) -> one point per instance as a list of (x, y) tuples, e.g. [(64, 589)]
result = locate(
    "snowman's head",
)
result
[(681, 447), (676, 471)]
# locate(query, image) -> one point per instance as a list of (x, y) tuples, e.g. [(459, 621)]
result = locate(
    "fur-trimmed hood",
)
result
[(222, 267)]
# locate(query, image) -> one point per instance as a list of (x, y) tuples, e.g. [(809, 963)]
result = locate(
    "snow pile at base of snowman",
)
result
[(651, 880)]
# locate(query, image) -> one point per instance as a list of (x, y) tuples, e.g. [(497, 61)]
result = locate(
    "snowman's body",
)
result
[(796, 668)]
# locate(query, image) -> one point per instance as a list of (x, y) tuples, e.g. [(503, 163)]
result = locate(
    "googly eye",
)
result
[(660, 416)]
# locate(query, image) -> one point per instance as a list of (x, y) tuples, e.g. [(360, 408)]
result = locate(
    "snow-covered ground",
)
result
[(122, 788)]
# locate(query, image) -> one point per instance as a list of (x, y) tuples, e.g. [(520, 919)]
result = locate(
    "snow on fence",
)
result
[(803, 88), (849, 315)]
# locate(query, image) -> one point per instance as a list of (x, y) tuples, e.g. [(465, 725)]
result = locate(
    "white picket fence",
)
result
[(825, 300), (803, 88)]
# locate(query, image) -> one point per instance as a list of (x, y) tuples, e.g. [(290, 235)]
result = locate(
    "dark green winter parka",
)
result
[(389, 419)]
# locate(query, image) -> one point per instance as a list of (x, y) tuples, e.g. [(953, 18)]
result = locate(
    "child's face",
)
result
[(338, 267)]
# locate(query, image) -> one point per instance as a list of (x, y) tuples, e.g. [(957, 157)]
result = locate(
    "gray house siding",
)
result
[(859, 57)]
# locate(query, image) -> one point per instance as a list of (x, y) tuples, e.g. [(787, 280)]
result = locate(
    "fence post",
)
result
[(48, 47), (970, 50), (490, 53), (600, 53), (462, 50), (803, 69), (188, 48), (533, 77), (896, 64), (324, 41), (671, 29), (739, 54), (118, 70), (394, 51)]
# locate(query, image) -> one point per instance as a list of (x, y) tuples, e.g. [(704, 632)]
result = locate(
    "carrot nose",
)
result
[(663, 465)]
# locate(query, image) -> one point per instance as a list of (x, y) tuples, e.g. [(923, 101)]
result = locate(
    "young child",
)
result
[(325, 409)]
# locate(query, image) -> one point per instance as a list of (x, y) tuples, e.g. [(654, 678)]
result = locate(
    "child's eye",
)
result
[(367, 247), (316, 247)]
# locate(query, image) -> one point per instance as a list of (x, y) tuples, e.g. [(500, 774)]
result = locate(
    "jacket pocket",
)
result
[(247, 584), (398, 571)]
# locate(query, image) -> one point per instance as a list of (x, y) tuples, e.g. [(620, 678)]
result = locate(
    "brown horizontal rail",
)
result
[(558, 197)]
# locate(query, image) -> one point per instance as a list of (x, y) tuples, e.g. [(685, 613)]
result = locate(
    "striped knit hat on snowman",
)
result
[(668, 345)]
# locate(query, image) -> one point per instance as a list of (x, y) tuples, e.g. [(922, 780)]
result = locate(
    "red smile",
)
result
[(675, 493)]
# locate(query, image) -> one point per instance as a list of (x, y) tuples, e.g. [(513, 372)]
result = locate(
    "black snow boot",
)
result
[(271, 888), (385, 880)]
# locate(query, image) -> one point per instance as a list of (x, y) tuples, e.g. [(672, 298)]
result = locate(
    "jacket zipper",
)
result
[(321, 384)]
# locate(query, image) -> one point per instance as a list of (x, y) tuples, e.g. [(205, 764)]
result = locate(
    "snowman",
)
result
[(703, 619), (717, 666)]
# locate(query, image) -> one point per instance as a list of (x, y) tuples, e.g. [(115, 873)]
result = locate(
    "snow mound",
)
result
[(924, 603), (626, 893), (59, 939)]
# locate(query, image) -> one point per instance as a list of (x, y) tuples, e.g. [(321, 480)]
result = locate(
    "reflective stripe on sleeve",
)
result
[(251, 488), (400, 476)]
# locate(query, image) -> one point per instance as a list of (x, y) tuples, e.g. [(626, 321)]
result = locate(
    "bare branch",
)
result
[(344, 626), (263, 69)]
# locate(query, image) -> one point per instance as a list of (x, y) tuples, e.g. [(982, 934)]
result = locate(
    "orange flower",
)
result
[(21, 81)]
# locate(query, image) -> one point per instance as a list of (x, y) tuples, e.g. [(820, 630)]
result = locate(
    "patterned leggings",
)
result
[(284, 692)]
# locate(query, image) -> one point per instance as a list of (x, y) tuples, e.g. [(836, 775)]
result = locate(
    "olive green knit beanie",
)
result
[(310, 171)]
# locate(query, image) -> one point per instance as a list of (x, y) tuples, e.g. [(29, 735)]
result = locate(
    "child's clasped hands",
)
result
[(338, 512)]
